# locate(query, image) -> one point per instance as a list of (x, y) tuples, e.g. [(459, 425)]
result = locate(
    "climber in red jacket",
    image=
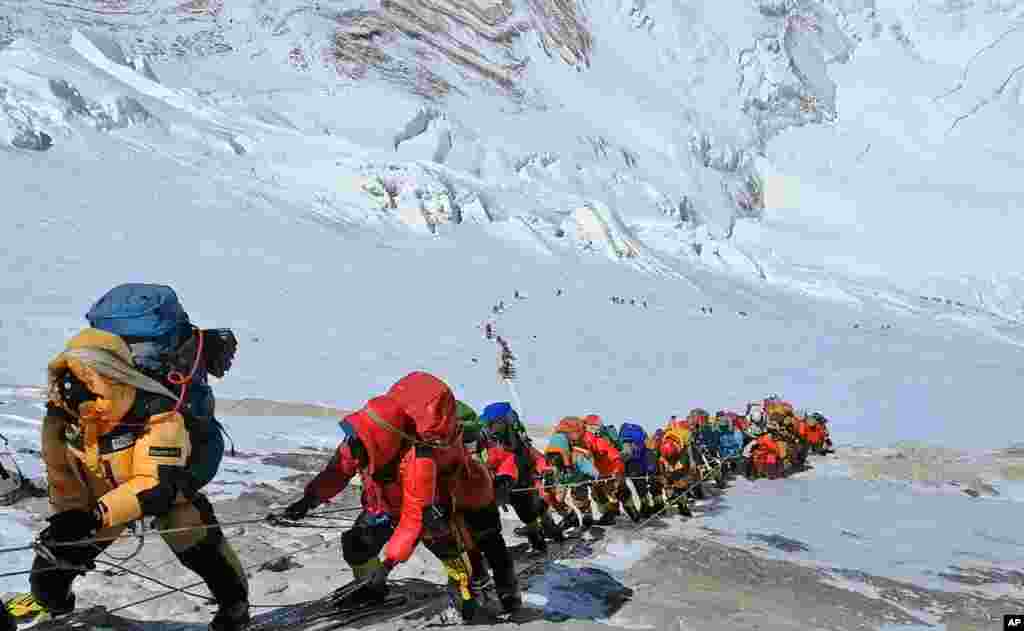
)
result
[(419, 483)]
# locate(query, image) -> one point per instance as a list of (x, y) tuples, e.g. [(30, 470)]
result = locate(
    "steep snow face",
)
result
[(762, 139), (649, 111)]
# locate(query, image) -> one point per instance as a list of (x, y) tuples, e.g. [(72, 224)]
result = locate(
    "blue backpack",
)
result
[(163, 341), (149, 318)]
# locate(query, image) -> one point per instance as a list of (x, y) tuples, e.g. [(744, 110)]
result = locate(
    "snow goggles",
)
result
[(73, 392)]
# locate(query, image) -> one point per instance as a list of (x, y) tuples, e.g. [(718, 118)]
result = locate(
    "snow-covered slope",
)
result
[(760, 138)]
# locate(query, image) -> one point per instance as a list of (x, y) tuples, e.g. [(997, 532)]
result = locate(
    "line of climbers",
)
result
[(119, 444), (590, 462)]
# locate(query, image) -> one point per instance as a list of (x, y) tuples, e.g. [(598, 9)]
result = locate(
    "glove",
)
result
[(301, 508), (71, 525), (503, 490), (68, 526), (379, 577)]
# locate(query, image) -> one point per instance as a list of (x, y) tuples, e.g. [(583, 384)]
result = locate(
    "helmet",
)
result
[(592, 421), (498, 411)]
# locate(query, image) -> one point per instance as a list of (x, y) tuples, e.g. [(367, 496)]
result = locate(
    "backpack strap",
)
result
[(147, 405)]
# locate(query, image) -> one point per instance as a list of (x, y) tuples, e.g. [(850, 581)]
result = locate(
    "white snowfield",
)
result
[(816, 198)]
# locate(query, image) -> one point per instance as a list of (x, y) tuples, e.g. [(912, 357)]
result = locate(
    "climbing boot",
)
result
[(633, 513), (658, 507), (231, 617), (511, 601), (6, 621), (480, 585), (569, 522), (537, 540), (647, 511), (684, 508), (550, 529)]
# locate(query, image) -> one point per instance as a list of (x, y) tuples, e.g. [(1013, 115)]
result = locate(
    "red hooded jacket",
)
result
[(607, 458), (377, 498), (413, 439)]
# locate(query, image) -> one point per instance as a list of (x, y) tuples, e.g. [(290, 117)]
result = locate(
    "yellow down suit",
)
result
[(122, 455)]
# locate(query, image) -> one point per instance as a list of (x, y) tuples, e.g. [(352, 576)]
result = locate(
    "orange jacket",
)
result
[(815, 435), (767, 444), (607, 458)]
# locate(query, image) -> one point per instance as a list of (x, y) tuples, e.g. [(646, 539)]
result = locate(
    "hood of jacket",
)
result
[(429, 402)]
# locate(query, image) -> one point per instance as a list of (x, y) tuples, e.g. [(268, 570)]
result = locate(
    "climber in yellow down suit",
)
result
[(116, 450)]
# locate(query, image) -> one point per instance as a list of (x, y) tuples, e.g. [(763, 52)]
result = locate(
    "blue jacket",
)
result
[(638, 454), (708, 436), (730, 443)]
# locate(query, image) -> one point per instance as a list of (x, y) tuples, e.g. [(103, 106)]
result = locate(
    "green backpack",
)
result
[(471, 427), (609, 433)]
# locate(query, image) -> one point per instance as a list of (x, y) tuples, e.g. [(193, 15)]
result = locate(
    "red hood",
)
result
[(382, 444), (429, 402)]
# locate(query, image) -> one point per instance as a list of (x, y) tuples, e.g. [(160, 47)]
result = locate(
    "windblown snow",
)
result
[(816, 198)]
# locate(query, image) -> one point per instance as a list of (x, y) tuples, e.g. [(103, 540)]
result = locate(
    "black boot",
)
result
[(684, 508), (657, 507), (633, 513), (6, 621), (551, 530), (215, 562), (231, 617), (537, 540), (569, 522), (588, 521), (608, 519), (511, 602), (506, 584), (51, 588)]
